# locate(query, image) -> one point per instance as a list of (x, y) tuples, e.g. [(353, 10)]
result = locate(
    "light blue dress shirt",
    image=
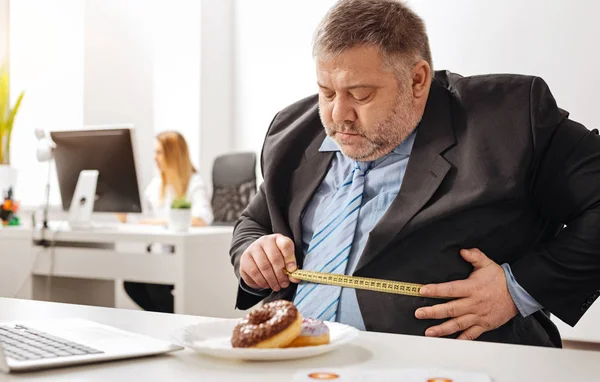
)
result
[(382, 184)]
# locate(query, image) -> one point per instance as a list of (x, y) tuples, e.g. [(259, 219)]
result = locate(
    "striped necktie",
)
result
[(330, 246)]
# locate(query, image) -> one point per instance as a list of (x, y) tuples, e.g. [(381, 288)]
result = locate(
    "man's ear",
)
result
[(421, 74)]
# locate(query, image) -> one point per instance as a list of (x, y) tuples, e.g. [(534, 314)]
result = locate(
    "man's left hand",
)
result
[(482, 301)]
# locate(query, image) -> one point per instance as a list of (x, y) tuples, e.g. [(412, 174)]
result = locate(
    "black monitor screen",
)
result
[(110, 151)]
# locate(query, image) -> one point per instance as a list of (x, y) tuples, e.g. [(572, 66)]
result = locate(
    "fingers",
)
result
[(477, 258), (263, 263), (249, 281), (251, 274), (454, 308), (276, 261), (266, 269), (294, 280), (482, 306), (457, 324), (452, 289), (286, 247), (472, 333)]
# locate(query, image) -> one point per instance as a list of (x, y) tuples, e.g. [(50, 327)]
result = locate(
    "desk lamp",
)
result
[(45, 153)]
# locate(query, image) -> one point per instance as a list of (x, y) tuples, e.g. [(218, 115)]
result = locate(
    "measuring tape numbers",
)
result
[(356, 282)]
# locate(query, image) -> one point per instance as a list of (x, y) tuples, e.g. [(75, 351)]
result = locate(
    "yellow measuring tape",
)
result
[(356, 282)]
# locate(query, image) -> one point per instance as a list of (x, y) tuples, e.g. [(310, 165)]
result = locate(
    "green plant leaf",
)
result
[(181, 203), (9, 125), (7, 115), (4, 86)]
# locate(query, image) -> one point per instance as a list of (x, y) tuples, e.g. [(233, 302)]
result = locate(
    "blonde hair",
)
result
[(178, 166)]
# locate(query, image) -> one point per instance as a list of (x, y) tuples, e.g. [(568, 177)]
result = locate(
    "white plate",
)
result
[(214, 339)]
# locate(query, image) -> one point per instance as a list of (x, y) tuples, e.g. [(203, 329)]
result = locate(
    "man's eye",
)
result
[(329, 96), (361, 97)]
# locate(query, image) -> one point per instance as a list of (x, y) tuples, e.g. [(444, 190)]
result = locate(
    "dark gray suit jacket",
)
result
[(496, 165)]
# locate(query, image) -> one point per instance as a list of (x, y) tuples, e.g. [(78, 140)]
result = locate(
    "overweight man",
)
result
[(479, 187)]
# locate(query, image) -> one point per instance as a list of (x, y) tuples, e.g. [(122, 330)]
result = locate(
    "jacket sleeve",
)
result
[(563, 272)]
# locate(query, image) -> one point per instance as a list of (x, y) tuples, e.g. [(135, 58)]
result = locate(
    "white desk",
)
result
[(504, 363), (85, 264)]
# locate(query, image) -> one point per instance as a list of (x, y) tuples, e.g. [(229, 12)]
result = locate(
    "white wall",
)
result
[(3, 31), (217, 83), (46, 60), (119, 70), (556, 40), (134, 62), (273, 62), (177, 71)]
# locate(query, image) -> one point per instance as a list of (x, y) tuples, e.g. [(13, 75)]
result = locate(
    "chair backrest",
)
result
[(234, 185)]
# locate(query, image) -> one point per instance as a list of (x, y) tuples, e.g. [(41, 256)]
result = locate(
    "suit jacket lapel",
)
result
[(303, 184), (426, 170)]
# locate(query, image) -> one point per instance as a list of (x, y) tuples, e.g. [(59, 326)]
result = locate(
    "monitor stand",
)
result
[(82, 204)]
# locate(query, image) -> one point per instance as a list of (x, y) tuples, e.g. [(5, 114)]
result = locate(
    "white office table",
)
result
[(86, 263), (504, 363)]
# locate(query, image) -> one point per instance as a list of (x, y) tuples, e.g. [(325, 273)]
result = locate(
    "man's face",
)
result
[(366, 109)]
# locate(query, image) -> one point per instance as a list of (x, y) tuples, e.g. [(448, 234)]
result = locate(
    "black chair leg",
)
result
[(151, 297)]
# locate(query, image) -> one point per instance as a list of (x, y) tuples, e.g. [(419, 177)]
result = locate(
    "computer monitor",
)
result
[(110, 151)]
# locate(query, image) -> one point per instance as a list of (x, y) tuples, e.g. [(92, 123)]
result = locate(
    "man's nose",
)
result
[(342, 112)]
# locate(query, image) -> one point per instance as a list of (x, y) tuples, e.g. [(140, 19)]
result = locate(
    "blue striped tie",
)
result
[(330, 246)]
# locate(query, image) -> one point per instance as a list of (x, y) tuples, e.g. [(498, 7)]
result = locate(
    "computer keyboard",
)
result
[(21, 343)]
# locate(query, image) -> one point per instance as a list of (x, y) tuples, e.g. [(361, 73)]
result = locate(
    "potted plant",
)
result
[(8, 174), (180, 215)]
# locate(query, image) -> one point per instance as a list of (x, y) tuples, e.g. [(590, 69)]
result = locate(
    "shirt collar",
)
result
[(403, 148)]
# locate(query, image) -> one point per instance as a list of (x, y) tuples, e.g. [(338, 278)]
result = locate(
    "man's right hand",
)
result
[(262, 264)]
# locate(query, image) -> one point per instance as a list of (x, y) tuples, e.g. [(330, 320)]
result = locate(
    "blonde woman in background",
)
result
[(177, 178)]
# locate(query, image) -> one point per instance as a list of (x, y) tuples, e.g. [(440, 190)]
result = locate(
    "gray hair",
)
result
[(389, 25)]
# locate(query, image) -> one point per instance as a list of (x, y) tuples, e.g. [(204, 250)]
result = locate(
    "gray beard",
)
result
[(385, 136)]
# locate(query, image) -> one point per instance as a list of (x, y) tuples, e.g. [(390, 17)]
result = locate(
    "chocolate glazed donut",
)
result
[(274, 325)]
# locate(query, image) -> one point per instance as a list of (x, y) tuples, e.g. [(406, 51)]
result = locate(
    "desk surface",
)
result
[(503, 363), (112, 231)]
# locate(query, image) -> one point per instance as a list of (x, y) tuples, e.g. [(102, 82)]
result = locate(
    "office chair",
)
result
[(234, 185)]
